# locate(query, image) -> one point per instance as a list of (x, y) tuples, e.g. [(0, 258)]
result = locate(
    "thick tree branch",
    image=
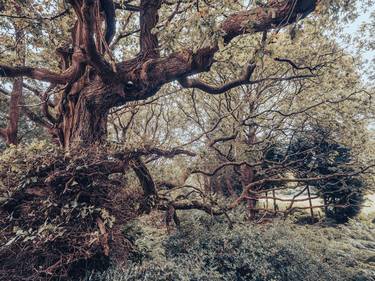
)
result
[(184, 63), (144, 177), (274, 15), (146, 151), (96, 59), (36, 73), (148, 20), (110, 19)]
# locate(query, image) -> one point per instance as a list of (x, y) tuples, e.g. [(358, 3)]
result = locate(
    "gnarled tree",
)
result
[(94, 87), (91, 82)]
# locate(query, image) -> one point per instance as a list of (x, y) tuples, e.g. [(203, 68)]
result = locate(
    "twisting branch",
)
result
[(36, 73), (295, 66), (226, 164), (110, 19), (286, 180), (243, 80), (148, 20), (45, 105), (223, 139), (96, 59), (180, 65)]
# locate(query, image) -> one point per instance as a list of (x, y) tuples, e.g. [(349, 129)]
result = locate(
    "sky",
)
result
[(353, 29)]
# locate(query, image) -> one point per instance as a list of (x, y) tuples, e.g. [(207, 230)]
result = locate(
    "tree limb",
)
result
[(196, 83), (148, 20), (110, 19), (35, 73), (181, 64), (295, 66), (127, 7), (96, 59)]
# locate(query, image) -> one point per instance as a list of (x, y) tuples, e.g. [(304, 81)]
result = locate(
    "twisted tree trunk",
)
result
[(83, 122), (93, 84)]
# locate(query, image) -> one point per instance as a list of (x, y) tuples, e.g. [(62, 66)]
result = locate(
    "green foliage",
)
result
[(314, 153), (17, 162), (208, 250)]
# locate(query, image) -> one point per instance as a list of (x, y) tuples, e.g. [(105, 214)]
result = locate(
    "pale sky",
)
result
[(353, 29)]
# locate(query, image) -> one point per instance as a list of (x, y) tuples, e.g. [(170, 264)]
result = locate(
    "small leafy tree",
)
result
[(316, 154)]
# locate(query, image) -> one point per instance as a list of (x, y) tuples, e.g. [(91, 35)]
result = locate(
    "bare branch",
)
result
[(226, 164), (127, 7), (66, 11), (243, 80), (295, 66), (36, 73)]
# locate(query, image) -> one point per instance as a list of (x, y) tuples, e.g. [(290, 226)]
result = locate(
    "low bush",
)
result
[(206, 249), (59, 214)]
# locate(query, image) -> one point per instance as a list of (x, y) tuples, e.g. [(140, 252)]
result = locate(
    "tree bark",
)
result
[(82, 124), (93, 85), (10, 133)]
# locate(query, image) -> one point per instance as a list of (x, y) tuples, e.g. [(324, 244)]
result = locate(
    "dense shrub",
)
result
[(58, 214), (316, 154), (209, 250)]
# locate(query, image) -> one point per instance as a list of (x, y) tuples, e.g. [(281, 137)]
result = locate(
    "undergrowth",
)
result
[(60, 215), (207, 249)]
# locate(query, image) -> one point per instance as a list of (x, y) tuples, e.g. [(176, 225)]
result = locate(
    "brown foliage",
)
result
[(63, 218)]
